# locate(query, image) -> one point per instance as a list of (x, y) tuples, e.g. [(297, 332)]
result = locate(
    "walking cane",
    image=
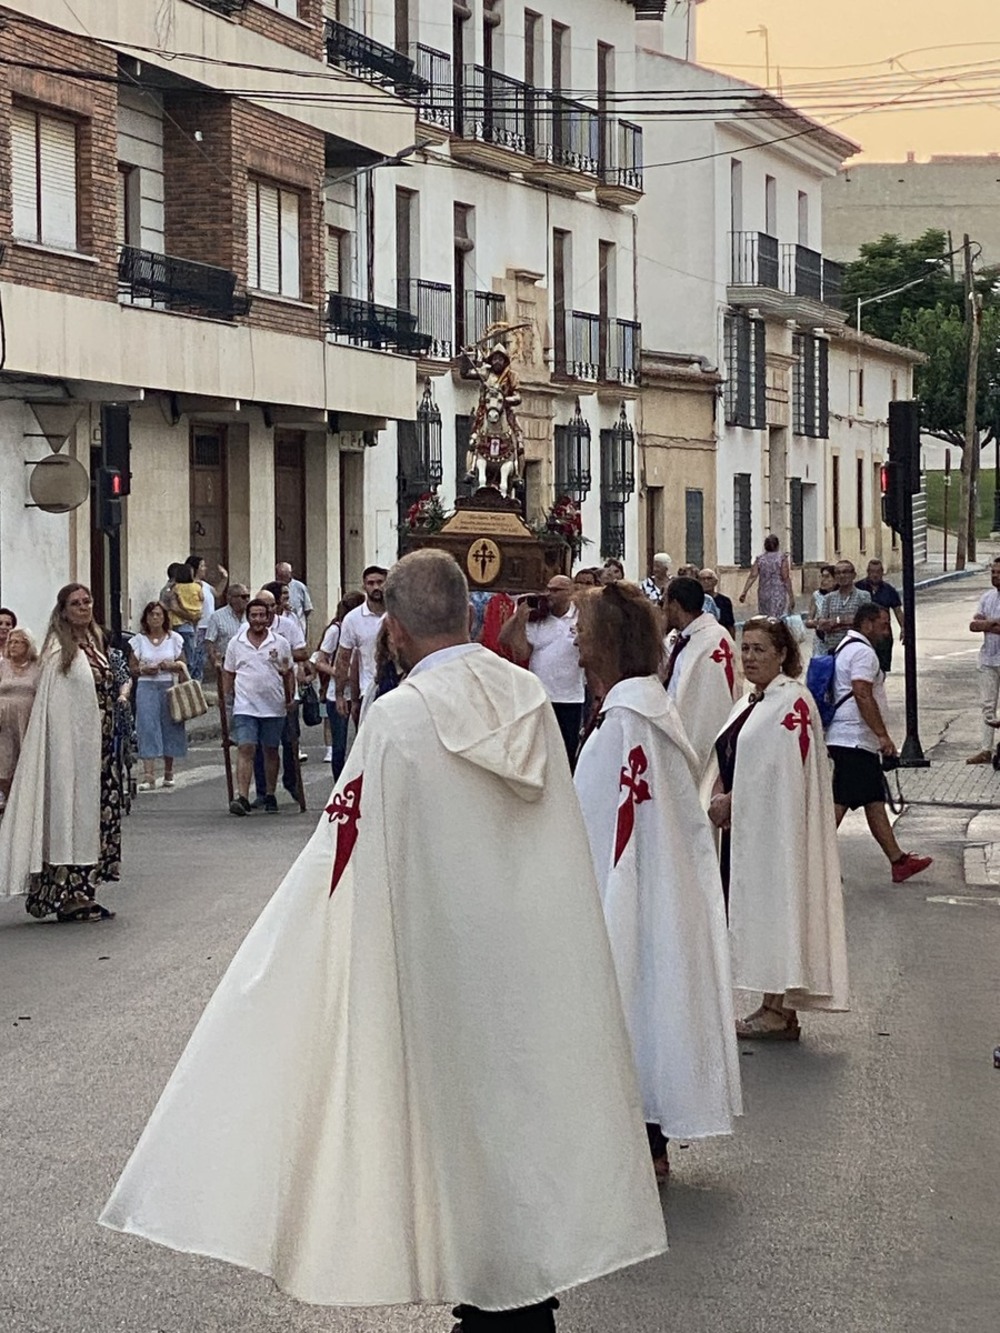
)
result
[(300, 791), (226, 743)]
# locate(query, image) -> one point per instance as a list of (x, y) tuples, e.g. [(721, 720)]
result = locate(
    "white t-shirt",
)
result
[(554, 657), (989, 609), (358, 632), (331, 640), (289, 629), (259, 690), (208, 605), (856, 660), (147, 653)]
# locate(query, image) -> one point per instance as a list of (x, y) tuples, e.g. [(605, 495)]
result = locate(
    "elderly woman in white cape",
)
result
[(379, 1105), (773, 801), (637, 780), (61, 836)]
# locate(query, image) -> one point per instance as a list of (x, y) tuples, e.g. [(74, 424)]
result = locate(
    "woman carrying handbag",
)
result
[(157, 660)]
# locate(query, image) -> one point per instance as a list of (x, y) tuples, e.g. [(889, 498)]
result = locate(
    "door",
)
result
[(290, 501), (560, 292), (694, 527), (209, 499), (795, 501), (655, 537)]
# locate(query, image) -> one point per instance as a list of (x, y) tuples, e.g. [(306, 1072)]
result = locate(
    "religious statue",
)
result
[(496, 445)]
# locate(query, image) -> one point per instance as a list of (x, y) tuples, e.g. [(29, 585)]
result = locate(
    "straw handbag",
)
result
[(186, 699)]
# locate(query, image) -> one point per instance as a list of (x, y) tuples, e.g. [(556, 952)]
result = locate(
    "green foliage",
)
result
[(890, 262), (935, 488), (942, 334)]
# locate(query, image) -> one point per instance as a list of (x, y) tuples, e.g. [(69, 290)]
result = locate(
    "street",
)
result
[(859, 1194)]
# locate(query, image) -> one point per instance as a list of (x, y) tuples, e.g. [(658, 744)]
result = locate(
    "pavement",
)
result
[(858, 1195)]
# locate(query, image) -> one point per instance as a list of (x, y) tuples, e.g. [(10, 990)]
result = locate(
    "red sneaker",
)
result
[(910, 865)]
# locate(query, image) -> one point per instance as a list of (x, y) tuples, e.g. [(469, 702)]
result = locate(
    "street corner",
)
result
[(982, 851)]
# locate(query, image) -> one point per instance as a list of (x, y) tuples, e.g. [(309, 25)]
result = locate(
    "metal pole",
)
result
[(115, 585), (947, 497), (996, 482), (912, 753), (857, 322)]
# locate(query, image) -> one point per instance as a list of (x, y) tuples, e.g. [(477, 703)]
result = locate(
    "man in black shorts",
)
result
[(857, 736)]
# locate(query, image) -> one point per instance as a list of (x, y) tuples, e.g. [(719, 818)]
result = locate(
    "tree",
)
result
[(889, 263)]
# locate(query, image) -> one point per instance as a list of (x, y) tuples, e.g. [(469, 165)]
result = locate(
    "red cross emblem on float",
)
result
[(724, 655), (799, 720), (637, 792), (345, 811)]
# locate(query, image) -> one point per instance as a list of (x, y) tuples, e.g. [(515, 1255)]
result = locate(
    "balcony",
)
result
[(566, 142), (483, 311), (181, 286), (226, 7), (436, 92), (600, 351), (495, 120), (787, 281), (621, 164), (365, 324), (371, 60), (649, 9), (430, 303)]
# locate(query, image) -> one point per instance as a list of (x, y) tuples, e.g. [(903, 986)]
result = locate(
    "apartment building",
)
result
[(511, 218), (735, 289), (164, 236)]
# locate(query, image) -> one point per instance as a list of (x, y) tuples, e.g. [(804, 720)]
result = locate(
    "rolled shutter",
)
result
[(269, 260), (24, 173), (57, 160), (332, 259), (288, 240), (253, 238)]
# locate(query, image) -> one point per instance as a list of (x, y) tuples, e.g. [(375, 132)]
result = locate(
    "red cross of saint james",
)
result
[(724, 654), (637, 791), (799, 720), (345, 811)]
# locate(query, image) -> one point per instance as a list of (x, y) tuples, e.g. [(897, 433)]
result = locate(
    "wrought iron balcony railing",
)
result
[(600, 350), (802, 272), (227, 7), (366, 324), (496, 109), (621, 157), (833, 283), (482, 311), (584, 346), (754, 259), (436, 95), (649, 9), (566, 133), (624, 351), (431, 303), (179, 285), (371, 60)]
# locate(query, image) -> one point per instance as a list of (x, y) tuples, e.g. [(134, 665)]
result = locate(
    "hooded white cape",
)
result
[(418, 1089), (53, 815), (705, 683), (786, 904), (665, 913)]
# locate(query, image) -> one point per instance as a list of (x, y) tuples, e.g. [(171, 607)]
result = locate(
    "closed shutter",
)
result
[(57, 162), (253, 237), (741, 520), (798, 530), (332, 259), (269, 257), (24, 173), (694, 528), (288, 205), (823, 366)]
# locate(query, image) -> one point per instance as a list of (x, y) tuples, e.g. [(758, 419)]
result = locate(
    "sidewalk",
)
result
[(932, 570)]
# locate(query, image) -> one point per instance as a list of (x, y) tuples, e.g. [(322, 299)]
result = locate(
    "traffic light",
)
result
[(109, 499), (904, 441), (895, 500)]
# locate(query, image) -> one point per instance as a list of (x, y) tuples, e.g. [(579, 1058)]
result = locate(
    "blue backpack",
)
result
[(820, 675)]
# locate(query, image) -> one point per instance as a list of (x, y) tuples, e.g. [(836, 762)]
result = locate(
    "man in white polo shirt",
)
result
[(548, 644), (258, 673), (357, 636)]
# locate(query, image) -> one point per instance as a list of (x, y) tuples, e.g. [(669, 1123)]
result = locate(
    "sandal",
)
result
[(92, 912), (757, 1027)]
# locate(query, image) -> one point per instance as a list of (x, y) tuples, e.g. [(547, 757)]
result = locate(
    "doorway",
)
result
[(352, 519), (209, 495), (290, 501)]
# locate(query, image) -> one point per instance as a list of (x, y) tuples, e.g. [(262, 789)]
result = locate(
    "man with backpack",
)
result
[(854, 712)]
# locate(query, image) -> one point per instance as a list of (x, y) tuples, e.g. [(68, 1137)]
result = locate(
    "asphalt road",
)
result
[(859, 1194)]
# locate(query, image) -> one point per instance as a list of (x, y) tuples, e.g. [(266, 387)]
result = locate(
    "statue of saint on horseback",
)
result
[(496, 445)]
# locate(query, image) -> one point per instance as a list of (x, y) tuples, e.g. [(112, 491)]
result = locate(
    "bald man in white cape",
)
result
[(384, 1101), (702, 677)]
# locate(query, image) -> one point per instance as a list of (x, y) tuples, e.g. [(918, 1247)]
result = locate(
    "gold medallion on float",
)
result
[(483, 561)]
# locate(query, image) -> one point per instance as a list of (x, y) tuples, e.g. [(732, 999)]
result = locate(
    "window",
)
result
[(283, 6), (797, 507), (770, 206), (402, 26), (862, 545), (338, 260), (406, 247), (532, 37), (742, 555), (561, 288), (560, 57), (746, 378), (803, 218), (694, 528), (273, 239), (835, 500), (43, 178), (735, 194), (124, 211), (811, 386)]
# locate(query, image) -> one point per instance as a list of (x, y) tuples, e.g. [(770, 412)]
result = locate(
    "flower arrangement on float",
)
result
[(426, 514), (564, 521)]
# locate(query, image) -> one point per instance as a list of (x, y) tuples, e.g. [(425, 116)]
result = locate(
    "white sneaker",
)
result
[(328, 755)]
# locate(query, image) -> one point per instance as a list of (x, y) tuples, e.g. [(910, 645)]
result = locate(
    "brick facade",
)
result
[(92, 105), (305, 34)]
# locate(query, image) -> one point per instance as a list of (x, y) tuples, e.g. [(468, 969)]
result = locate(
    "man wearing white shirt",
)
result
[(986, 622), (299, 602), (548, 644), (258, 672), (358, 634)]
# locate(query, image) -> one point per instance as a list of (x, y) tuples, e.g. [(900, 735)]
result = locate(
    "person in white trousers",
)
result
[(986, 622)]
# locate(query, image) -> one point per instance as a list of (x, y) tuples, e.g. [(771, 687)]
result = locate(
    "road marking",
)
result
[(980, 900), (942, 657)]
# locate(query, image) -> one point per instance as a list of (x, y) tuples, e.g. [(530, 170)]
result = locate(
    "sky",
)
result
[(808, 37)]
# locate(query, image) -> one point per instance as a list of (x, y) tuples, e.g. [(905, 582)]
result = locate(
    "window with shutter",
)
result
[(333, 258), (288, 207), (43, 170), (273, 239)]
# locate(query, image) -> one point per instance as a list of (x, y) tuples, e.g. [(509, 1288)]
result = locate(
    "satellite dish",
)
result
[(59, 483)]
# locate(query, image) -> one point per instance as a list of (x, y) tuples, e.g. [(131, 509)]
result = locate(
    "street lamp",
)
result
[(429, 439), (618, 462), (894, 291), (573, 468)]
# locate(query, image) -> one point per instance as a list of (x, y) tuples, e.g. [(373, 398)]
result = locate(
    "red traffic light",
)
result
[(885, 475)]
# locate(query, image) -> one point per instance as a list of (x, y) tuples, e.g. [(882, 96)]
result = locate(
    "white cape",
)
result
[(705, 684), (53, 814), (786, 903), (418, 1089), (665, 912)]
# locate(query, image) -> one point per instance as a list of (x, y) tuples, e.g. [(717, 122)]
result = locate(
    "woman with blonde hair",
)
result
[(18, 682), (61, 835)]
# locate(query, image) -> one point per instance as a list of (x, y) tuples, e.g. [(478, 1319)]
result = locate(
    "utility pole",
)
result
[(965, 546)]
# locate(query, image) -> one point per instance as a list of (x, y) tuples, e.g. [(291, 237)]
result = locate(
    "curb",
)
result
[(949, 577)]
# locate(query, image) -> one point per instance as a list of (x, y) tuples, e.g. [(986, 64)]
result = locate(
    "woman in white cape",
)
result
[(658, 875), (772, 799)]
